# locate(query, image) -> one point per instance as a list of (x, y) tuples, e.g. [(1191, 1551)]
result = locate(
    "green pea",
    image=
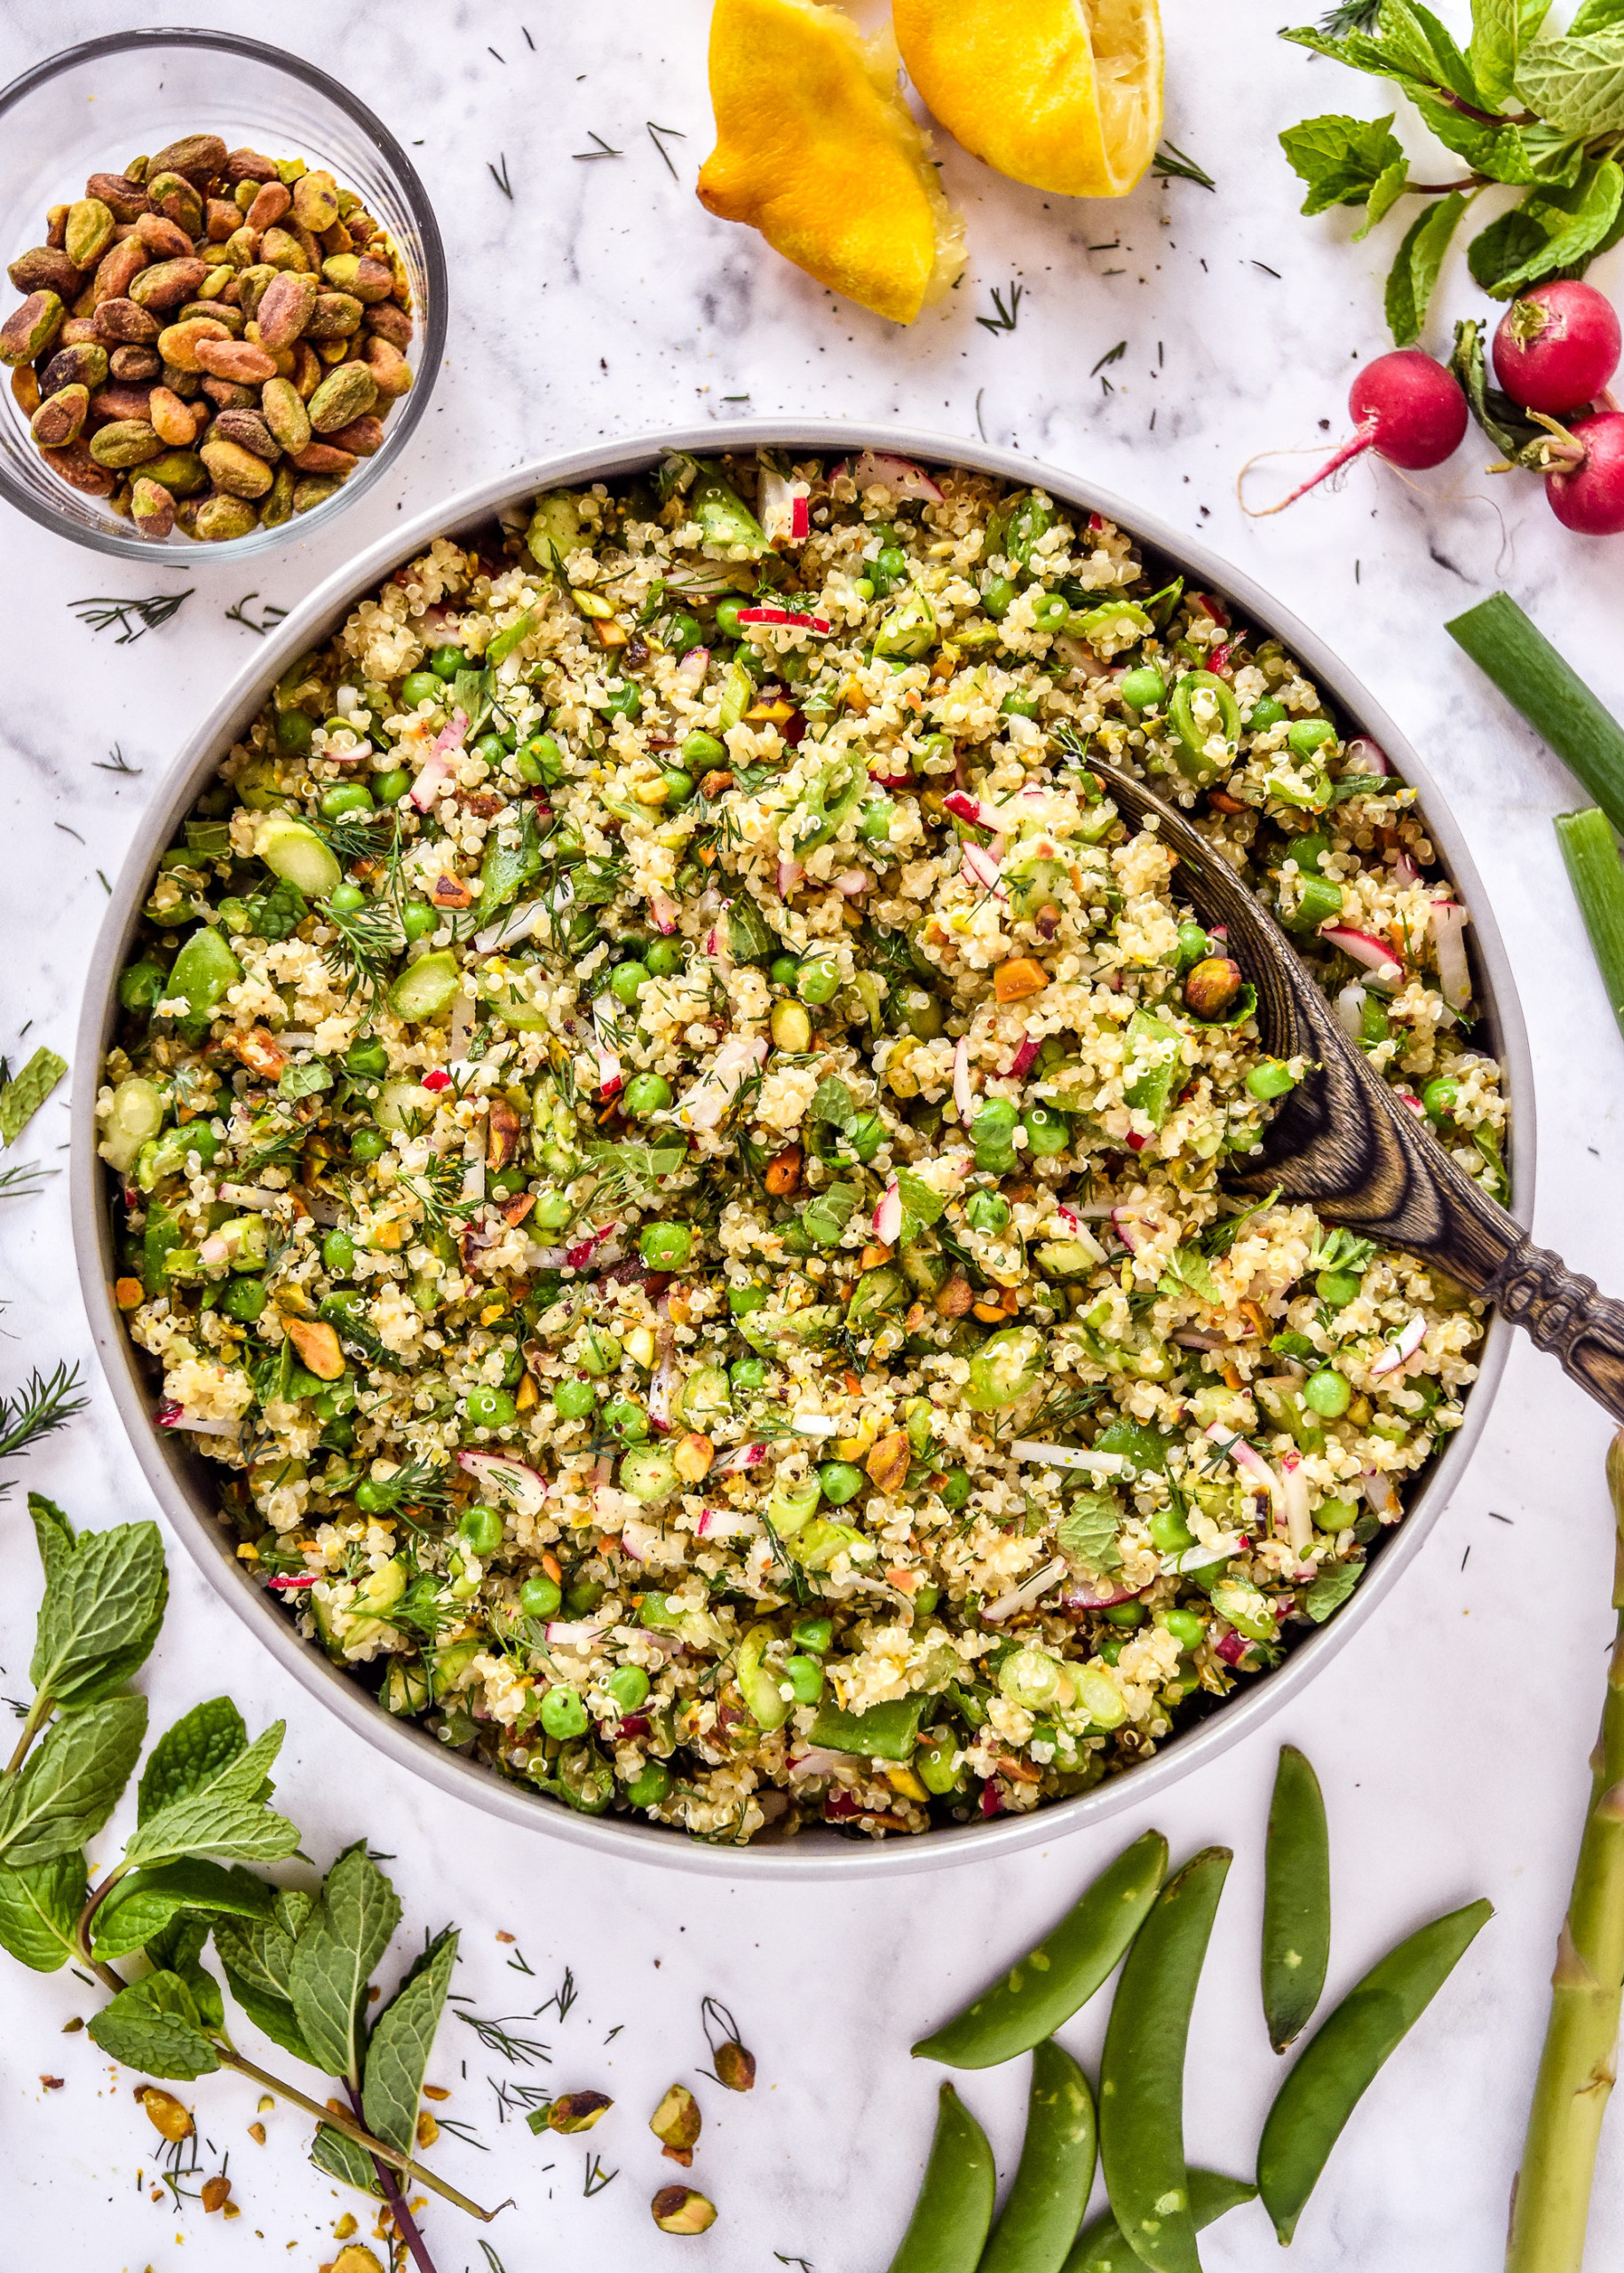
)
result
[(1308, 735), (1050, 612), (582, 1599), (490, 1408), (628, 1687), (1338, 1288), (662, 958), (1271, 1080), (874, 827), (480, 1528), (491, 748), (368, 1059), (1194, 945), (1144, 688), (392, 785), (420, 687), (1265, 716), (683, 632), (1336, 1515), (665, 1246), (1019, 706), (541, 762), (995, 1121), (141, 985), (373, 1499), (368, 1144), (624, 1418), (417, 919), (1128, 1614), (552, 1211), (748, 1373), (1169, 1532), (650, 1785), (955, 1488), (540, 1597), (446, 661), (818, 979), (625, 702), (244, 1299), (679, 784), (988, 1211), (1186, 1628), (1047, 1131), (600, 1352), (727, 615), (806, 1679), (563, 1713), (345, 797), (573, 1400), (294, 729), (338, 1254), (815, 1634), (840, 1481), (627, 981), (702, 750), (782, 970), (346, 899), (1440, 1098), (1328, 1393), (998, 596), (645, 1094)]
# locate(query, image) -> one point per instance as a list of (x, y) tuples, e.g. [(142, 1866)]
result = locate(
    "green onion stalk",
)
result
[(1550, 2199)]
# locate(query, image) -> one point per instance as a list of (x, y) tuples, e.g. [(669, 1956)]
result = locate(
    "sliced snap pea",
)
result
[(955, 2208), (1101, 2249), (1142, 2070), (1296, 1900), (1045, 2205), (1343, 2055), (1041, 1993)]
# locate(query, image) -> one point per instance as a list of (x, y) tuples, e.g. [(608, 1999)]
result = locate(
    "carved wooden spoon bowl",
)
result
[(1342, 1141)]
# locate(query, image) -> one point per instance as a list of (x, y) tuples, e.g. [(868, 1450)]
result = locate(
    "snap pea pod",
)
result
[(1101, 2249), (1142, 2072), (1296, 1900), (1045, 1989), (1343, 2055), (955, 2208), (1051, 2193)]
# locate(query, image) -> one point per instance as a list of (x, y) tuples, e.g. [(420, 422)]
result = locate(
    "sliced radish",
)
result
[(662, 908), (1247, 1458), (963, 806), (713, 1094), (852, 883), (1232, 1647), (1361, 947), (980, 868), (884, 470), (578, 1256), (1029, 1591), (1026, 1057), (1081, 1456), (964, 1096), (888, 1216), (791, 617), (438, 1079), (790, 874), (571, 1633), (1366, 757), (1405, 871), (725, 1523), (1351, 1009), (1080, 1597), (1449, 922), (518, 923), (524, 1487), (783, 509), (1378, 1488), (745, 1456), (691, 671), (1410, 1337), (436, 768), (1294, 1504)]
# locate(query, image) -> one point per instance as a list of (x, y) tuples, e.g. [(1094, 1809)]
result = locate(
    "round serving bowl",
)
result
[(91, 108), (184, 1483)]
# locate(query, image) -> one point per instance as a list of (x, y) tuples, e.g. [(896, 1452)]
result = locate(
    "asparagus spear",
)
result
[(1550, 2199)]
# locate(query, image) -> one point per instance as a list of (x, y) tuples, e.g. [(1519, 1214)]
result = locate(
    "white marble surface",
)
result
[(1451, 1736)]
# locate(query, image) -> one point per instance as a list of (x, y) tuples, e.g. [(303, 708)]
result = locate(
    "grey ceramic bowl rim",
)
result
[(109, 540), (209, 1543)]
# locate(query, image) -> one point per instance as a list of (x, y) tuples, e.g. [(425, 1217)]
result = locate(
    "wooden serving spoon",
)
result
[(1341, 1140)]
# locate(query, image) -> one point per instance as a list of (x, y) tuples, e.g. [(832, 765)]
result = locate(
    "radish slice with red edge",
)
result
[(1029, 1591), (1361, 947), (884, 470), (888, 1216), (526, 1487), (1410, 1338), (436, 768), (791, 617)]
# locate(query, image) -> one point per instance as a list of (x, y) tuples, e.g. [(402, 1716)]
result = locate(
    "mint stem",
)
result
[(406, 2225)]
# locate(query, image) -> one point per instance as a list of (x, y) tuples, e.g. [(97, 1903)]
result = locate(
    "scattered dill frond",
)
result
[(1007, 317), (134, 618), (501, 178), (23, 1181), (418, 1484), (602, 151), (364, 946), (497, 2036), (44, 1404), (438, 1191), (1172, 164), (597, 2176), (115, 761), (1350, 16), (654, 133), (270, 614), (1111, 355)]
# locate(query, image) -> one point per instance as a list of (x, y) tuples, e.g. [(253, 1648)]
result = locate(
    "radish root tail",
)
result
[(1360, 440)]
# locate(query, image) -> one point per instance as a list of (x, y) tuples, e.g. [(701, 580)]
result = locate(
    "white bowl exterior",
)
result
[(179, 1480)]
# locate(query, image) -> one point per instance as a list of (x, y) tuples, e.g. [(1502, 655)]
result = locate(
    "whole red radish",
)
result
[(1589, 497), (1557, 347), (1407, 409)]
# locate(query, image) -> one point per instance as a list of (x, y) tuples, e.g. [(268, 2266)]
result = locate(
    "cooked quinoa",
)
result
[(672, 1149)]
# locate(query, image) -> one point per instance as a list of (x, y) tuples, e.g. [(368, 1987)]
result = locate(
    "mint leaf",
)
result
[(39, 1909), (142, 1905), (1572, 225), (21, 1098), (341, 2158), (402, 2040), (1577, 84), (1387, 189), (257, 1956), (103, 1606), (1596, 15), (1087, 1530), (1416, 270), (1342, 159), (1427, 48), (71, 1784), (333, 1959), (304, 1080), (1500, 31), (1329, 1591), (201, 1743), (832, 1101), (53, 1534), (1188, 1268), (923, 1201), (157, 2025), (224, 1814)]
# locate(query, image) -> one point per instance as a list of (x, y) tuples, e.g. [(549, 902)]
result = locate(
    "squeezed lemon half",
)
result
[(1064, 95), (816, 148)]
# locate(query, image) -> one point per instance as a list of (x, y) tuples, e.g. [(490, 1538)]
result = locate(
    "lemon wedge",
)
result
[(1064, 95), (816, 148)]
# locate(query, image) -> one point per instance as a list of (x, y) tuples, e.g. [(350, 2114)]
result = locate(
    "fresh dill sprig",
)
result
[(23, 1181), (501, 178), (1111, 355), (418, 1484), (654, 133), (497, 2036), (602, 151), (1350, 16), (364, 943), (597, 2176), (563, 1997), (269, 614), (134, 618), (115, 761), (439, 1192), (1007, 317), (42, 1405), (1172, 164)]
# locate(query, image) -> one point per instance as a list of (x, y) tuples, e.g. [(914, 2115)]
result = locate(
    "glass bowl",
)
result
[(91, 109)]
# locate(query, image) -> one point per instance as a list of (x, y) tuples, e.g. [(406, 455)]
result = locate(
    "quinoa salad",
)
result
[(670, 1144)]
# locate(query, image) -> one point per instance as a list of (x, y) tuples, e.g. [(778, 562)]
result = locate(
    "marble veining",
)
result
[(1451, 1736)]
